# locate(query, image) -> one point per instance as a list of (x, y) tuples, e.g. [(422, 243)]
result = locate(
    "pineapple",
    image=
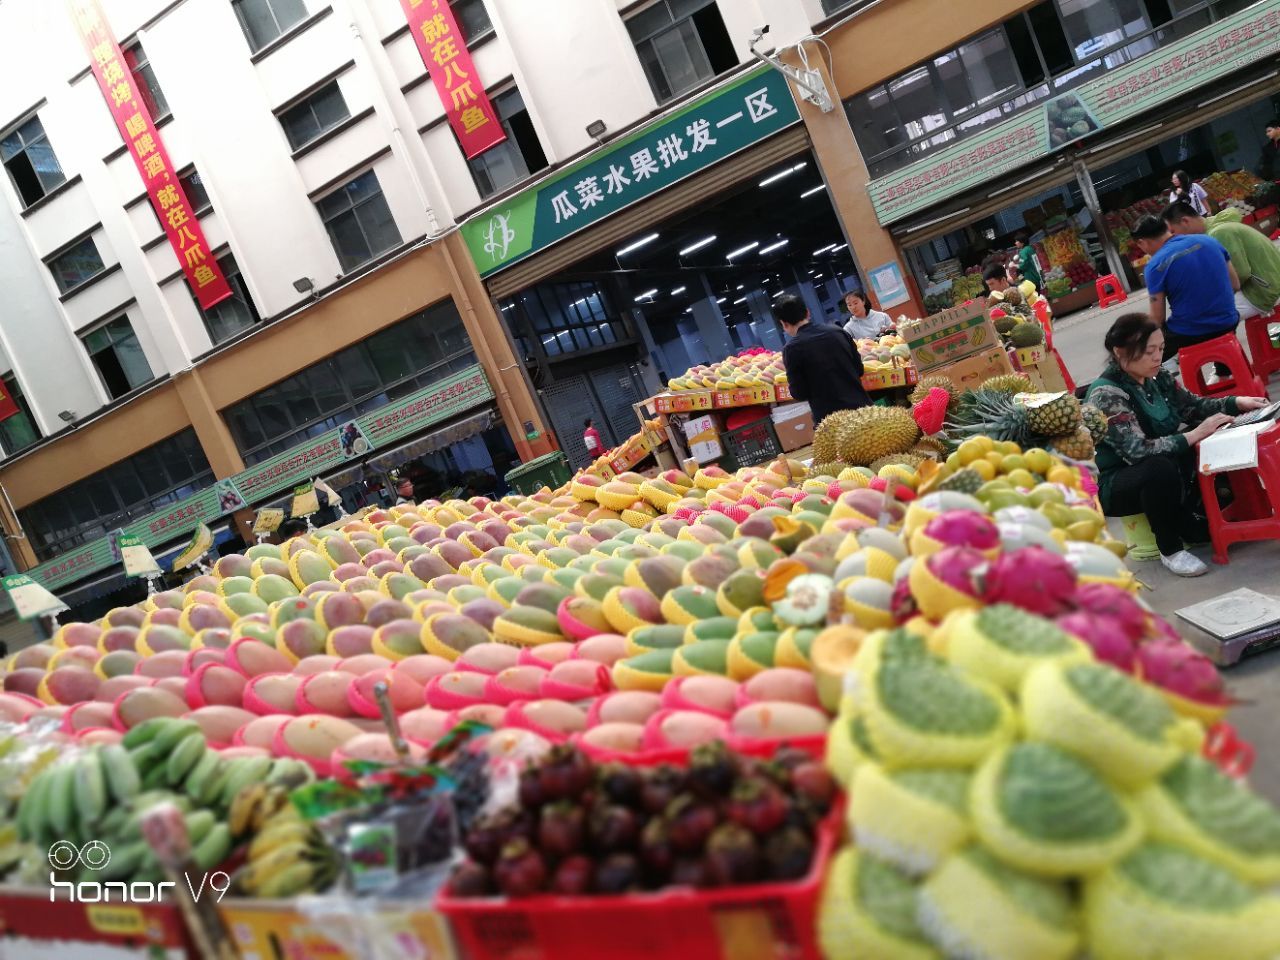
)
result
[(993, 414), (1077, 445), (966, 480), (1051, 414), (1095, 420)]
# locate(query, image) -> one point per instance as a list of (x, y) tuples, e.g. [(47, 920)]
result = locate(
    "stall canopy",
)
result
[(437, 440)]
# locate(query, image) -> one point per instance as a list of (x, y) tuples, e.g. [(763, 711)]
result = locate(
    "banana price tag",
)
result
[(305, 501)]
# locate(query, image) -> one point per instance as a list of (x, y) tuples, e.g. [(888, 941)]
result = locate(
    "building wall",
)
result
[(573, 63)]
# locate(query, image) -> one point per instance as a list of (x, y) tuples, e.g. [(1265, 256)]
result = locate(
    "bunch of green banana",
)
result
[(287, 855)]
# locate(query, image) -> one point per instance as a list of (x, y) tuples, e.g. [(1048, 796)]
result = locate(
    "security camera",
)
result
[(758, 33)]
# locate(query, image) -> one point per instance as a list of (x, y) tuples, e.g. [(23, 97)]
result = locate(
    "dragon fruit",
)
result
[(1034, 579), (963, 528), (948, 580), (1105, 635), (1178, 668), (1115, 605)]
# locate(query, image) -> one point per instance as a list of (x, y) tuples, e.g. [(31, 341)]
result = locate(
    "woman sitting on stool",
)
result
[(1147, 460)]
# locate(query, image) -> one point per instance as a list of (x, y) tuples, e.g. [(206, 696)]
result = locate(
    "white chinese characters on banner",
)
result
[(672, 151)]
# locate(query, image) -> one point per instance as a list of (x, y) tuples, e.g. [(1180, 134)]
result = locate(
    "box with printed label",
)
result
[(949, 336), (972, 372), (793, 424), (704, 438)]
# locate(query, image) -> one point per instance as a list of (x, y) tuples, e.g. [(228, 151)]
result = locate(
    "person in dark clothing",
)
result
[(1269, 165), (822, 363), (1147, 461)]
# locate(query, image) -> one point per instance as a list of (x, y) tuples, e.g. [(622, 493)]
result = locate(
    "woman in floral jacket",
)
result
[(1147, 460)]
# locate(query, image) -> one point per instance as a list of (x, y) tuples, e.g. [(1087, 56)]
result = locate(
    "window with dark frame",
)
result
[(393, 363), (1045, 50), (193, 187), (30, 161), (266, 20), (516, 157), (563, 318), (76, 265), (681, 44), (128, 490), (236, 313), (473, 19), (19, 431), (359, 221), (317, 113), (118, 357), (148, 86)]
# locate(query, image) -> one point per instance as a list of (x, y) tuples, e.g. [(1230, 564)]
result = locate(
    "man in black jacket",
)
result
[(822, 361)]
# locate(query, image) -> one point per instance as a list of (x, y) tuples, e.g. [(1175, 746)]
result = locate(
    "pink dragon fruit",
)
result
[(1114, 605), (1176, 666), (963, 528), (1108, 639), (902, 604), (1034, 579)]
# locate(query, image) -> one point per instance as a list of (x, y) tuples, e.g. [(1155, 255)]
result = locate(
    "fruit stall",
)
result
[(904, 700)]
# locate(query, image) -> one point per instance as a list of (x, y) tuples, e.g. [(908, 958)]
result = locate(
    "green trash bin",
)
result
[(549, 470)]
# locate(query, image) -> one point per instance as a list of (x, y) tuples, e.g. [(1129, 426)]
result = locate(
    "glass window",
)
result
[(990, 72), (115, 351), (264, 20), (405, 357), (516, 157), (18, 430), (359, 221), (124, 492), (1096, 25), (473, 18), (237, 312), (76, 265), (148, 87), (30, 161), (320, 111), (193, 187), (681, 43)]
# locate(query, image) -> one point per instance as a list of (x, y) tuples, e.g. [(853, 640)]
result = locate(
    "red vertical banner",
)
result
[(444, 51), (136, 126), (8, 406)]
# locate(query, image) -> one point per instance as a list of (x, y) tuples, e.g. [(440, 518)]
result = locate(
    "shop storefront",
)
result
[(1094, 152), (661, 252)]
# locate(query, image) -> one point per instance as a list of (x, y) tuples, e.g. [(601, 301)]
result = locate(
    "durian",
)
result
[(861, 436), (1026, 334), (1009, 383)]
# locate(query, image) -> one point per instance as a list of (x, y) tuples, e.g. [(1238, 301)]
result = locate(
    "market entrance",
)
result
[(689, 289)]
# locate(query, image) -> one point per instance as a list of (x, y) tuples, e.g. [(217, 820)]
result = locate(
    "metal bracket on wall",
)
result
[(812, 87)]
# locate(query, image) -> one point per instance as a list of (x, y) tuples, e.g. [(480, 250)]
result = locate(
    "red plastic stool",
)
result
[(1110, 291), (1264, 355), (1255, 510), (1241, 381)]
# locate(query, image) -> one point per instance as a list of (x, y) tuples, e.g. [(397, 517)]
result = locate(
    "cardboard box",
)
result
[(1046, 375), (794, 426), (704, 438), (950, 336), (971, 372)]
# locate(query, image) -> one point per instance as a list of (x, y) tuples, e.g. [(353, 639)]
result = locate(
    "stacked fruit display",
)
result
[(1005, 409), (756, 367), (1012, 796), (1014, 319)]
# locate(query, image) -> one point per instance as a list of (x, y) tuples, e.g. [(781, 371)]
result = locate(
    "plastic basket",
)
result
[(753, 444), (767, 921), (549, 470)]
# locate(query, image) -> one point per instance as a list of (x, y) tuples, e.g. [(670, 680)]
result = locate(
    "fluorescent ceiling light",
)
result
[(698, 246), (822, 250), (721, 299), (839, 248), (774, 246), (647, 295), (740, 300), (777, 176), (677, 290), (637, 245), (812, 190), (777, 295), (738, 287), (741, 250)]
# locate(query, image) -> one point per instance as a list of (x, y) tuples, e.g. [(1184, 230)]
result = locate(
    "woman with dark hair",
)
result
[(1189, 192), (863, 322), (1147, 461)]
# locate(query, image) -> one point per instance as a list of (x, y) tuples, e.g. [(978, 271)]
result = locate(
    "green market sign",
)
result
[(667, 151), (1112, 98), (378, 429)]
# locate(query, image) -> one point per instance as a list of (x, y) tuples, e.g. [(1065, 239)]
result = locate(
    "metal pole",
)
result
[(1090, 194)]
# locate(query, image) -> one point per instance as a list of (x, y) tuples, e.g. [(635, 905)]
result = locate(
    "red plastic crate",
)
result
[(766, 921)]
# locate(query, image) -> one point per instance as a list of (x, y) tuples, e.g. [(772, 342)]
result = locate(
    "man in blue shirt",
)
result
[(1192, 276)]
